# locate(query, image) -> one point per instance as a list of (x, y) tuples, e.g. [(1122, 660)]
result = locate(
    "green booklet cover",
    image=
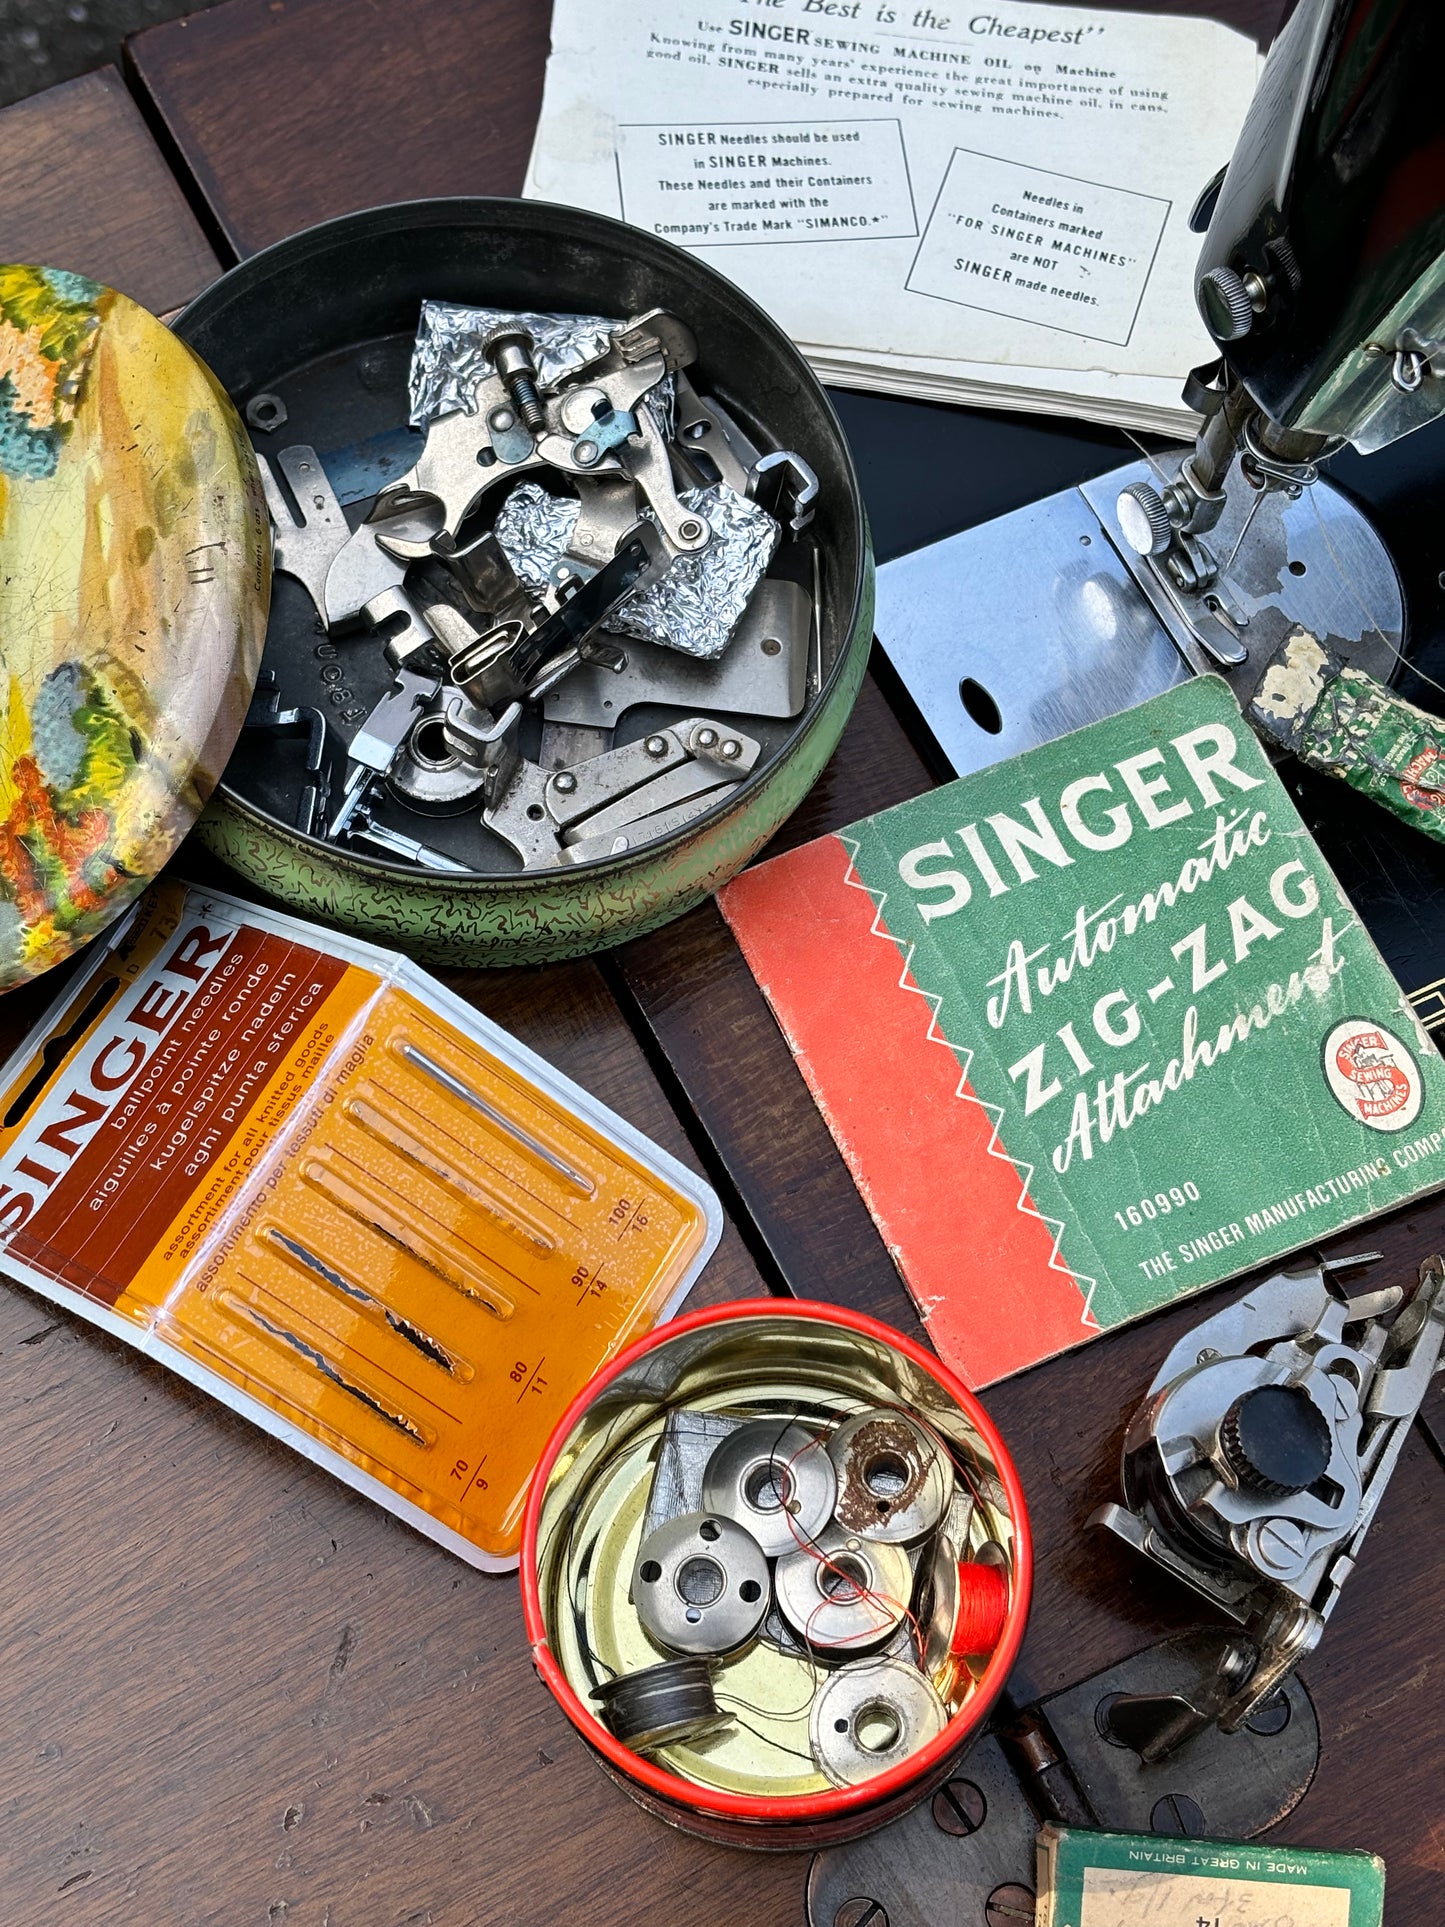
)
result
[(1141, 1880), (1094, 1028)]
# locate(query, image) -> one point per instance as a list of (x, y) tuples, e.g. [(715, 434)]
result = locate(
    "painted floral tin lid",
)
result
[(135, 575)]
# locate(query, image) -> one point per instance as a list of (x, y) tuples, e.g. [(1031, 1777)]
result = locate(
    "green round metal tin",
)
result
[(305, 319)]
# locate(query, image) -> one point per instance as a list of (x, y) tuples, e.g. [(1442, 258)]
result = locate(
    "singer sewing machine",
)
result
[(1322, 282)]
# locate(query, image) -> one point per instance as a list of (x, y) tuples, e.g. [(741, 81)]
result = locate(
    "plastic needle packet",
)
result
[(300, 1172)]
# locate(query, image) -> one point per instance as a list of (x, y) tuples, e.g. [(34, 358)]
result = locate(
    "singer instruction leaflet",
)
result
[(961, 204)]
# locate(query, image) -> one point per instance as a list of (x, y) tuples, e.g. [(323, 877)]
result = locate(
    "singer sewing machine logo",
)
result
[(1373, 1075)]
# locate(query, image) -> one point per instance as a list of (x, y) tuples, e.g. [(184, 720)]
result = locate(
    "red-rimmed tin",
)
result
[(741, 1350)]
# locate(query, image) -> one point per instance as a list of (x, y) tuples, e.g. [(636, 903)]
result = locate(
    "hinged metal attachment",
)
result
[(1258, 1461)]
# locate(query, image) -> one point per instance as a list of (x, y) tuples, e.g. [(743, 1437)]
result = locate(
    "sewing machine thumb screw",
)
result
[(1225, 304), (1275, 1441), (1144, 520)]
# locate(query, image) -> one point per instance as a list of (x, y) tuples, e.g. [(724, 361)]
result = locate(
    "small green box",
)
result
[(1142, 1880)]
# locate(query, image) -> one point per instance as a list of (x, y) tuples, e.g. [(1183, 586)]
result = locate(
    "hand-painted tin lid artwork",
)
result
[(134, 586)]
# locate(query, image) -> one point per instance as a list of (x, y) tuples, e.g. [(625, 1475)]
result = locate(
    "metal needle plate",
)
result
[(750, 678), (1033, 620), (1016, 632)]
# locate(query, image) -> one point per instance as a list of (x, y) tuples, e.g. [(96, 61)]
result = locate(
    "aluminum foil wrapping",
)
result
[(533, 528), (447, 362), (698, 603)]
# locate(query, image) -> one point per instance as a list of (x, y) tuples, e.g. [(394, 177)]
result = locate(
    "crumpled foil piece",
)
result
[(697, 604), (447, 363), (533, 528)]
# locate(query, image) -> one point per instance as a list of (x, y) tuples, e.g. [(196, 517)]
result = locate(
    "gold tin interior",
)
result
[(591, 1522)]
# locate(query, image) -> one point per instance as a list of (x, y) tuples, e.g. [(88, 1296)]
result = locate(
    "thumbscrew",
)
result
[(509, 349)]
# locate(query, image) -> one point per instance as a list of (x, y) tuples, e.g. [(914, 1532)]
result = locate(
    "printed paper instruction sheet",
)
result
[(1006, 184)]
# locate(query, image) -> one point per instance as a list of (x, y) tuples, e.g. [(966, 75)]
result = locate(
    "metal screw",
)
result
[(860, 1912), (655, 746), (732, 748), (509, 349), (706, 738), (1008, 1905), (1237, 1662), (771, 646), (585, 454), (689, 530), (502, 418), (1176, 1813), (1273, 1717), (959, 1808), (1280, 1543), (566, 782)]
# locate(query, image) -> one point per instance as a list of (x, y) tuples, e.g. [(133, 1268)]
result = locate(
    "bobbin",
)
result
[(895, 1481), (871, 1715), (661, 1704), (844, 1594), (775, 1479), (943, 1603), (700, 1584), (969, 1607)]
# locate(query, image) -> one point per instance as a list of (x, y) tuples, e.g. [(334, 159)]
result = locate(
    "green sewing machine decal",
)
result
[(1094, 1028)]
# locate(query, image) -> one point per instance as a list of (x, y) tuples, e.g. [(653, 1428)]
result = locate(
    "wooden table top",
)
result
[(239, 1693)]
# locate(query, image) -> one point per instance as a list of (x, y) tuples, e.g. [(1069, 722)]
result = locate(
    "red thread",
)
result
[(982, 1610)]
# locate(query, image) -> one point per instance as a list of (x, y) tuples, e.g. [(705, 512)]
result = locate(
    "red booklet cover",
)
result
[(1094, 1028)]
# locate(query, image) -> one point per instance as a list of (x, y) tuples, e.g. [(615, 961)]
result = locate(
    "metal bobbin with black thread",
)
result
[(661, 1705)]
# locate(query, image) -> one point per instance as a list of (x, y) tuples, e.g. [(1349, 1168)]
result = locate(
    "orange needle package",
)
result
[(301, 1173)]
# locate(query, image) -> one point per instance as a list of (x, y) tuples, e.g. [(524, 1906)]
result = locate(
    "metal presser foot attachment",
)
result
[(1240, 542), (1255, 1466), (1080, 605)]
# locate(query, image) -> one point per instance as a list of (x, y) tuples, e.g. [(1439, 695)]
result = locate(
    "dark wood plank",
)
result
[(149, 245), (290, 111), (688, 983)]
